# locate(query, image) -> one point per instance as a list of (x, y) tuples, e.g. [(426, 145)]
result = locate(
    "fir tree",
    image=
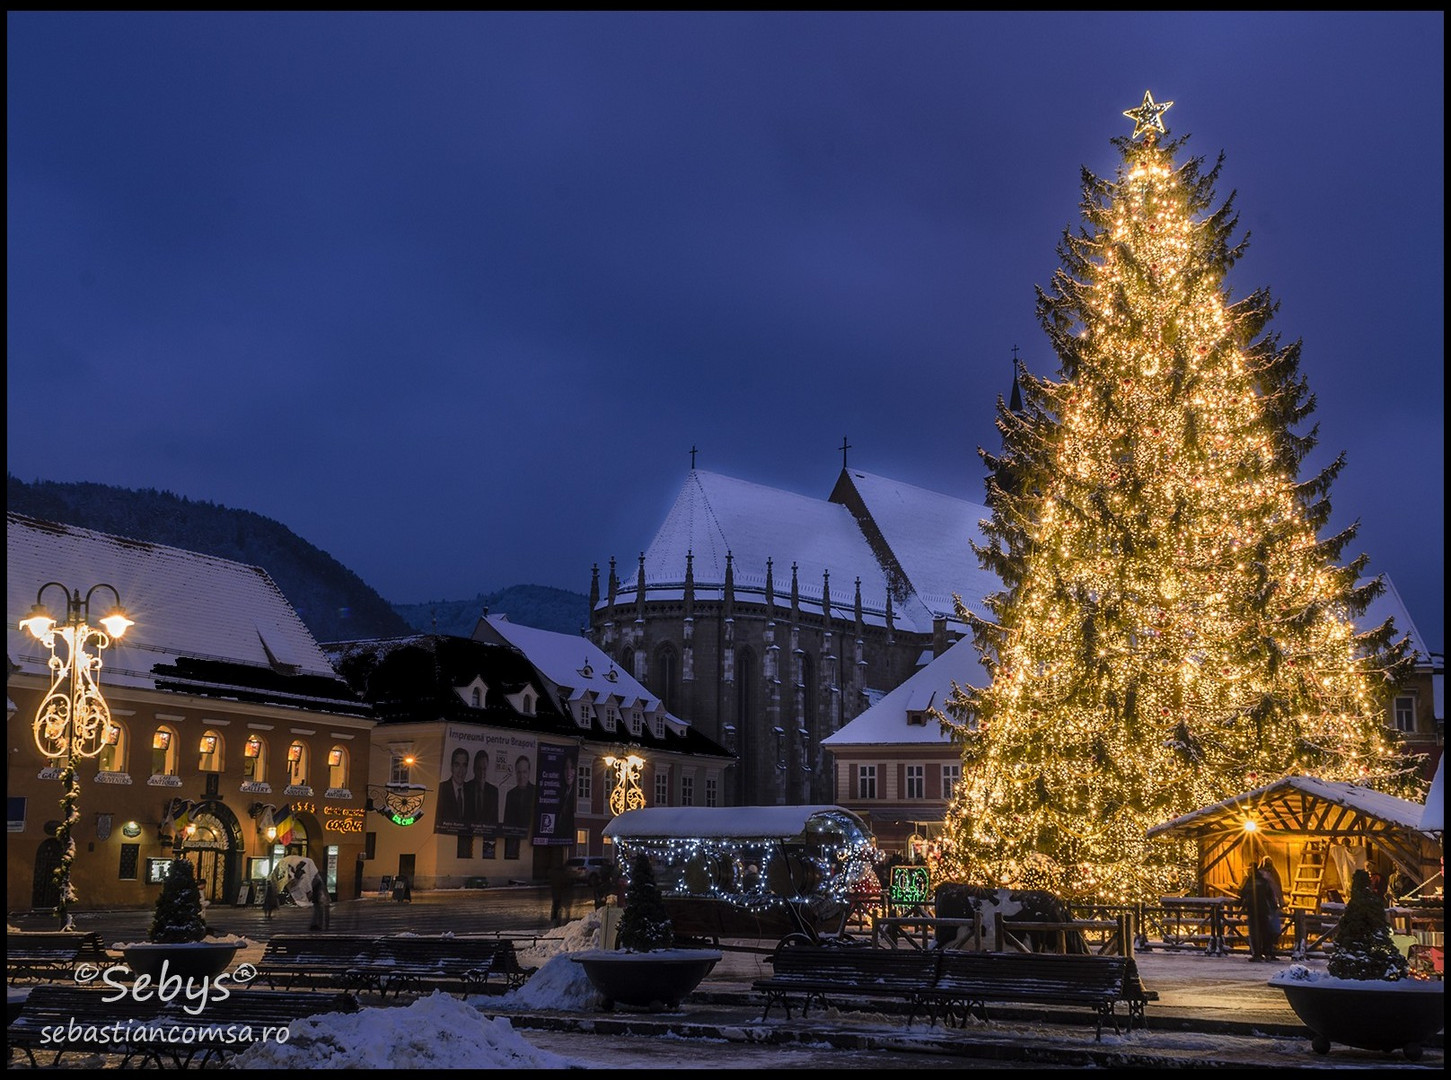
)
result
[(1172, 630), (645, 924), (178, 916), (1363, 945)]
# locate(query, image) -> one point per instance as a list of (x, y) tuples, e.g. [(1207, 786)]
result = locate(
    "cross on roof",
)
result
[(844, 447)]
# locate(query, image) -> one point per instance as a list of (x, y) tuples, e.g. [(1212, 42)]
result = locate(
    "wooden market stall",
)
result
[(1317, 832)]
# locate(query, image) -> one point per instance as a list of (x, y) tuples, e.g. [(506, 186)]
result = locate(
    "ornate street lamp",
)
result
[(626, 794), (73, 719)]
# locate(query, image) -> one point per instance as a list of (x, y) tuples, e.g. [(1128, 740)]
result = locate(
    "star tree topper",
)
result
[(1148, 117)]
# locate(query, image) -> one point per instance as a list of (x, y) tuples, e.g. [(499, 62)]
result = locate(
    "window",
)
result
[(511, 847), (951, 777), (210, 753), (711, 790), (475, 698), (584, 787), (636, 719), (866, 781), (687, 791), (1406, 713), (337, 768), (667, 677), (916, 782), (581, 839), (254, 758), (400, 764), (612, 717), (662, 787), (370, 845), (163, 752), (297, 764), (585, 714), (113, 750), (130, 862), (466, 846)]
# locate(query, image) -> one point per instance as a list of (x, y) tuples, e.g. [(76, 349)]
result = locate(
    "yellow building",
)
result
[(226, 722)]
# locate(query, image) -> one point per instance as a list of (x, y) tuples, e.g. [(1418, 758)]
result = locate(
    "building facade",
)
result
[(487, 770), (224, 713)]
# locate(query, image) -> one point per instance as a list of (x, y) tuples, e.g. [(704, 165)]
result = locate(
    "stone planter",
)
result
[(189, 960), (1366, 1014), (653, 980)]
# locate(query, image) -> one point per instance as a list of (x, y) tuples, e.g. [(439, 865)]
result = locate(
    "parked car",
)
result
[(589, 868)]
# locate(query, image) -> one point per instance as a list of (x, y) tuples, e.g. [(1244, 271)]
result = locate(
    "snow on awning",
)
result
[(742, 822)]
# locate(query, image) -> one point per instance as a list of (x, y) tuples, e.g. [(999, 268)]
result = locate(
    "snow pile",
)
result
[(1299, 973), (576, 936), (435, 1032), (560, 984)]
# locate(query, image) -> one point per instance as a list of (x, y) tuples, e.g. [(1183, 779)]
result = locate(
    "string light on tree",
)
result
[(1172, 624)]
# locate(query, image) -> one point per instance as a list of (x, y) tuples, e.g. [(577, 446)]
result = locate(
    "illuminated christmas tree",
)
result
[(1173, 630)]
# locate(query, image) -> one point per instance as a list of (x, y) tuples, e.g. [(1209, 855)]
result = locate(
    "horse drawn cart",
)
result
[(756, 876)]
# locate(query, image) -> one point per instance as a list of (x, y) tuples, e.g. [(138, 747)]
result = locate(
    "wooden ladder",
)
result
[(1305, 889)]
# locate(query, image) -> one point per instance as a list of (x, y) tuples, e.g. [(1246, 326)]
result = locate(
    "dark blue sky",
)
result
[(452, 295)]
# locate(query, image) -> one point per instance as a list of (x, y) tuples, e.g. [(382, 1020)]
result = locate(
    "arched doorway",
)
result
[(214, 848), (45, 890)]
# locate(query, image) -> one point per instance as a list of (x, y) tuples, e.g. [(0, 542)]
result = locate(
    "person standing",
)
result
[(1262, 917), (320, 902), (271, 901)]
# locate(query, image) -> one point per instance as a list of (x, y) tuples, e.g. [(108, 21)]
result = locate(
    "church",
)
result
[(768, 619)]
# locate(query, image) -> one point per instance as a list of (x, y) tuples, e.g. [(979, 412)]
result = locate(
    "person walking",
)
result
[(320, 902), (271, 901)]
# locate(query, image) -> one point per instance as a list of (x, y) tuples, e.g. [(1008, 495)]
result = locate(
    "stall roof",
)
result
[(1433, 814), (1291, 804), (744, 822)]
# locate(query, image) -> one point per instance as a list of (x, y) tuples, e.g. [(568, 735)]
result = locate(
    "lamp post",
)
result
[(72, 720), (626, 794)]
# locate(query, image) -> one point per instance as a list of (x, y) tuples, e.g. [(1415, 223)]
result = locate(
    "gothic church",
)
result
[(768, 619)]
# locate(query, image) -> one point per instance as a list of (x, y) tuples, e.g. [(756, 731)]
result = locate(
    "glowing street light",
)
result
[(73, 719), (627, 794)]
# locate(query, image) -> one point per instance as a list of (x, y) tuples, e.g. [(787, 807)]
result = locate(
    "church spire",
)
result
[(1015, 398)]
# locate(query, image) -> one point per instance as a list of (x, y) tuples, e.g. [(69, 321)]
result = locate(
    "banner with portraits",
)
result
[(487, 786)]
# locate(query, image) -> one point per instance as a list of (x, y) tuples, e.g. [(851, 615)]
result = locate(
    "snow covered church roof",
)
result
[(203, 624), (910, 538)]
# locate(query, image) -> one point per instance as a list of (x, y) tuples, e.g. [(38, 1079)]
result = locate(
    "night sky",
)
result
[(453, 295)]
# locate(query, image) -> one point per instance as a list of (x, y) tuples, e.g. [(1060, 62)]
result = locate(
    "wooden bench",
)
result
[(967, 981), (31, 954), (829, 973), (406, 962), (313, 960), (64, 1019), (75, 1019)]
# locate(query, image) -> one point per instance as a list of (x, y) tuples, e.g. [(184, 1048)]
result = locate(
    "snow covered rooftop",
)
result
[(191, 611), (717, 516), (886, 721), (755, 822), (1376, 804), (573, 663)]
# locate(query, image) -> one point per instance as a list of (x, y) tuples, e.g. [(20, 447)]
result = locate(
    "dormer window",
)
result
[(587, 671), (916, 718), (612, 675), (475, 693), (657, 725), (586, 714), (611, 717)]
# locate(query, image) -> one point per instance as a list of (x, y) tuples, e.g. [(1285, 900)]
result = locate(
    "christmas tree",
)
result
[(645, 924), (1363, 945), (1172, 629), (178, 916)]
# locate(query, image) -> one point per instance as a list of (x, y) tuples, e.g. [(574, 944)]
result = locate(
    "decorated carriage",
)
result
[(756, 874)]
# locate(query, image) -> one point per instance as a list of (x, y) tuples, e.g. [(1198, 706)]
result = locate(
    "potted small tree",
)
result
[(177, 942), (646, 970), (1365, 998)]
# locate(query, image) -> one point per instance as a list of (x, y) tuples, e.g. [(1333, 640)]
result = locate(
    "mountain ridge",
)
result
[(333, 602)]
